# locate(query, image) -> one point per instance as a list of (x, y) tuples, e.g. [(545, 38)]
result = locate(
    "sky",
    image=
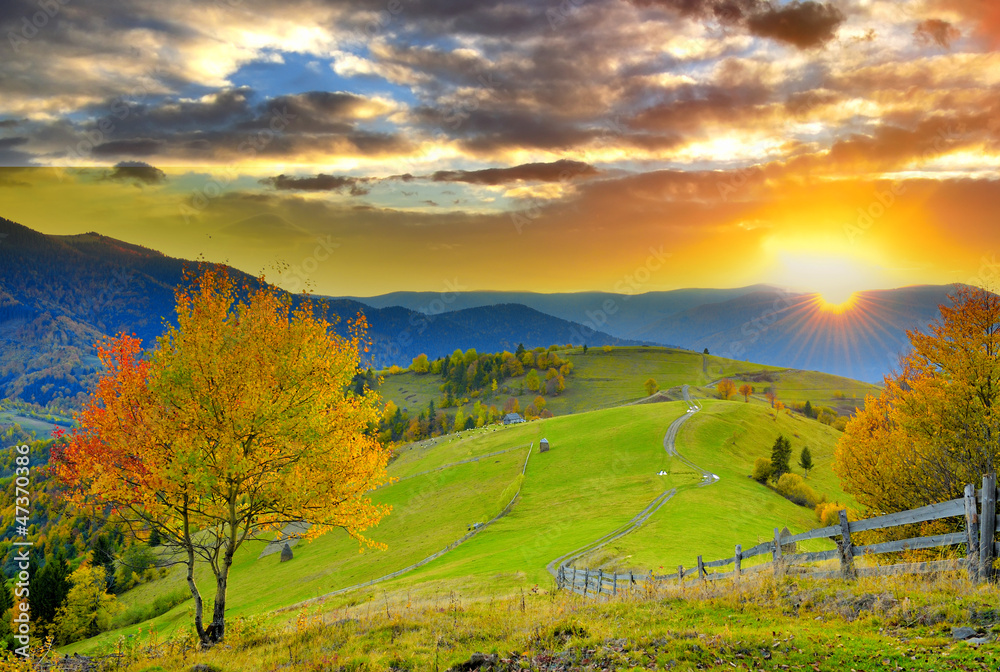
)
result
[(364, 147)]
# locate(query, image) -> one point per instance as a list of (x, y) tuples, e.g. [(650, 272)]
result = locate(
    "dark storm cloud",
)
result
[(357, 186), (10, 155), (130, 147), (936, 31), (558, 171), (801, 24), (136, 171)]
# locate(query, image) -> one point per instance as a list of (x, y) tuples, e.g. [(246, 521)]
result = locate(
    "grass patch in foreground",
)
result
[(766, 624)]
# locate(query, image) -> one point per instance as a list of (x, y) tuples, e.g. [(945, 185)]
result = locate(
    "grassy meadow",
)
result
[(601, 471)]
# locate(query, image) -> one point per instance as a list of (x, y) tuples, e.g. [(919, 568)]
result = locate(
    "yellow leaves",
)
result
[(935, 427), (243, 407)]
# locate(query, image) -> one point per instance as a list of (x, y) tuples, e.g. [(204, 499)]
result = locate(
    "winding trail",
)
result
[(669, 445)]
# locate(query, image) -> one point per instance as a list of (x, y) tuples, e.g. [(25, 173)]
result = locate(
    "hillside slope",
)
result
[(602, 469)]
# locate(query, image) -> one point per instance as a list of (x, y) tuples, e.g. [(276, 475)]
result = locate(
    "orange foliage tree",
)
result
[(241, 421), (726, 388), (746, 390), (936, 425)]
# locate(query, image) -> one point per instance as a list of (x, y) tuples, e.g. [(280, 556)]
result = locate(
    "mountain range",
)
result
[(758, 323), (59, 295)]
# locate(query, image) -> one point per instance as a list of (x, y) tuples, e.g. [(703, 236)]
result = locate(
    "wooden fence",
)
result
[(977, 507)]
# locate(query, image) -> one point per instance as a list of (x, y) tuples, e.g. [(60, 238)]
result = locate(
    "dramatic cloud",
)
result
[(936, 31), (356, 185), (558, 171), (802, 24), (588, 127), (136, 171)]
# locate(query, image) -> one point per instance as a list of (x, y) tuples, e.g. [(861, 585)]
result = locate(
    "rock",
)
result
[(201, 667), (976, 641), (959, 634), (286, 553)]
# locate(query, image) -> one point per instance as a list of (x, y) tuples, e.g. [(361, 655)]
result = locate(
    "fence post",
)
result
[(586, 581), (776, 553), (600, 581), (738, 560), (614, 584), (987, 527), (972, 532), (846, 547), (701, 569), (680, 576)]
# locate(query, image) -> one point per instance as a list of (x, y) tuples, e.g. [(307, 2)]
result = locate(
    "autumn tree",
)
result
[(243, 420), (726, 389), (651, 387), (420, 364), (88, 608), (746, 390), (771, 395), (532, 381), (936, 424)]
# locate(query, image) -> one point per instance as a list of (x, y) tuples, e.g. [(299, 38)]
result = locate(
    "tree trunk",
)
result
[(217, 630), (189, 547), (198, 604)]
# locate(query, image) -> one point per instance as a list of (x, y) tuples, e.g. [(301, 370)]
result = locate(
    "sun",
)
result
[(837, 300)]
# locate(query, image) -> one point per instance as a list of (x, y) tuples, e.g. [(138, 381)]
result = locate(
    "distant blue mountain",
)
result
[(60, 294), (758, 323)]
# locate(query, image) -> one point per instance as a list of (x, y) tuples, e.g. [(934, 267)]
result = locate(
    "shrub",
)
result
[(828, 513), (794, 488), (762, 470)]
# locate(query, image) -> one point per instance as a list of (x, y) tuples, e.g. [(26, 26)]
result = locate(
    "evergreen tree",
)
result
[(49, 589), (781, 453), (520, 350), (808, 409), (805, 459), (6, 626)]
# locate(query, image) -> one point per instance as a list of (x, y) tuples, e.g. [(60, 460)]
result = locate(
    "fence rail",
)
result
[(978, 507)]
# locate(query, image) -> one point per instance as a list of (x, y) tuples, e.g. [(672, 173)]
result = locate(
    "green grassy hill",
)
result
[(601, 471), (603, 379)]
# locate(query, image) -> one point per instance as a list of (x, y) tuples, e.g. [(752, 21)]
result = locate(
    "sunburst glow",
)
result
[(837, 300)]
